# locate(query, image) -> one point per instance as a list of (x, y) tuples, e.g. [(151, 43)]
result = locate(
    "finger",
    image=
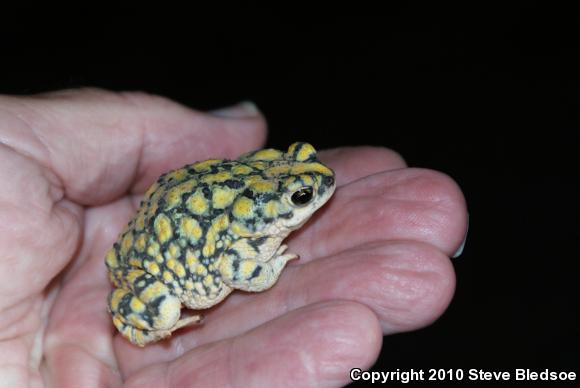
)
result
[(79, 331), (352, 163), (406, 204), (407, 285), (316, 345), (102, 144)]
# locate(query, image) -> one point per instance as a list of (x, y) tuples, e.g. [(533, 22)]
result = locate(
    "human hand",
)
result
[(74, 165)]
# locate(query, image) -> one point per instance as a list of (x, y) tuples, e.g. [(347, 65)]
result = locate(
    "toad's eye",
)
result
[(302, 196)]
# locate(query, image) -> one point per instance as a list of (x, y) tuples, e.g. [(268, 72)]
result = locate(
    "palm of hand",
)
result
[(373, 262)]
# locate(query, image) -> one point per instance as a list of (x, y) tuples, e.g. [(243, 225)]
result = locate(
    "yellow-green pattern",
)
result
[(206, 229)]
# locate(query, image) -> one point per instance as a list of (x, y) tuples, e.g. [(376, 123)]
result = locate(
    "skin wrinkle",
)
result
[(48, 162), (38, 274), (82, 254), (55, 189), (17, 313), (230, 377), (113, 367), (108, 173), (137, 174), (66, 350), (289, 299), (75, 236), (174, 375), (26, 124), (8, 150), (166, 376), (144, 129), (49, 296)]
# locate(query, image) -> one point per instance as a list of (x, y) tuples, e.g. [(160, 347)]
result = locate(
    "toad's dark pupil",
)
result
[(302, 196)]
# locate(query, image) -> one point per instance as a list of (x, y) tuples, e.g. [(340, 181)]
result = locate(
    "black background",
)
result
[(487, 94)]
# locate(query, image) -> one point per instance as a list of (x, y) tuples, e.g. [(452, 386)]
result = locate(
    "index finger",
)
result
[(101, 144)]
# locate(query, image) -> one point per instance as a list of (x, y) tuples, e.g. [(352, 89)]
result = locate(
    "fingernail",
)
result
[(460, 250), (241, 110)]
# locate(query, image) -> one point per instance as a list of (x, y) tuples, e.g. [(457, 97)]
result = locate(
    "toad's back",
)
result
[(207, 228)]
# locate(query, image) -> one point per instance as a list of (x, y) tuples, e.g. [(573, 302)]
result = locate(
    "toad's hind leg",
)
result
[(253, 275), (148, 311)]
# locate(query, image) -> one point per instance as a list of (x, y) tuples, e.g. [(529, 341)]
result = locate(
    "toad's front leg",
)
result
[(145, 310), (252, 275)]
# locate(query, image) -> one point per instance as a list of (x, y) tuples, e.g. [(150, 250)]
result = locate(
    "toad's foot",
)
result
[(252, 275)]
